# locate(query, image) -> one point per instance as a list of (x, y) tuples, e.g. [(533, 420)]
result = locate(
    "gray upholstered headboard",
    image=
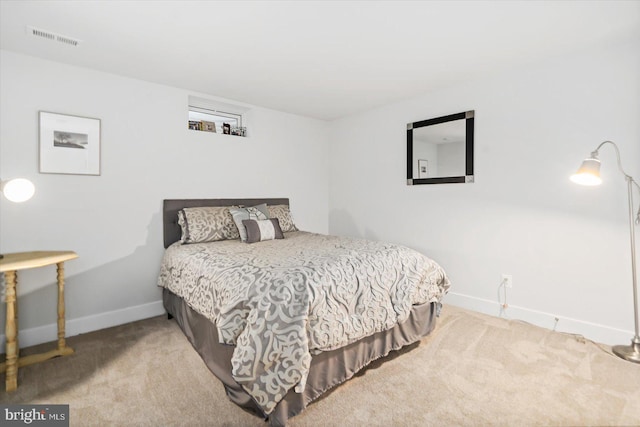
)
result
[(171, 207)]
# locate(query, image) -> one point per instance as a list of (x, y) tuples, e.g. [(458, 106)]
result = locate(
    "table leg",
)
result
[(61, 314), (11, 331), (17, 317)]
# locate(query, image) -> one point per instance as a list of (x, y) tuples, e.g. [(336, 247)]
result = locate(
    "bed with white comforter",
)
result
[(280, 301)]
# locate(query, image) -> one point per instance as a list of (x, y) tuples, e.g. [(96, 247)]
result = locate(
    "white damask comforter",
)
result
[(280, 301)]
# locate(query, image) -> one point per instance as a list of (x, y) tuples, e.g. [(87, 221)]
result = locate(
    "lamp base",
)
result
[(628, 352)]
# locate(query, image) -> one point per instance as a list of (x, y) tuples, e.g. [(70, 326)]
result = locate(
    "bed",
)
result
[(282, 321)]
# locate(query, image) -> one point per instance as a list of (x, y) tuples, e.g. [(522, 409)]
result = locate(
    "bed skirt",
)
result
[(327, 370)]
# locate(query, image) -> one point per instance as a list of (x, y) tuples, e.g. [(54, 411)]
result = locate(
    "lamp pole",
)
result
[(631, 352), (589, 174)]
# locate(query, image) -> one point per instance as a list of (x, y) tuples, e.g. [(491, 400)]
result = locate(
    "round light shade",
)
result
[(589, 173), (18, 190)]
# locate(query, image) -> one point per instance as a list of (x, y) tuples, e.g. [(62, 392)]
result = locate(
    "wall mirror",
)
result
[(440, 150)]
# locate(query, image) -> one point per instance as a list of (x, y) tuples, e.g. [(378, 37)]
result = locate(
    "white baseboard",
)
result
[(592, 331), (82, 325)]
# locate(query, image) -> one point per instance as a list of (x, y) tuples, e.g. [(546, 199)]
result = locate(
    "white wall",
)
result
[(566, 246), (113, 221)]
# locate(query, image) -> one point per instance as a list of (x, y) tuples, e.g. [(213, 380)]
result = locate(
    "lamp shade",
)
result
[(589, 173), (18, 190)]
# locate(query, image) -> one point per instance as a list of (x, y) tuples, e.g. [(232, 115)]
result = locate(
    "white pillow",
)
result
[(259, 212)]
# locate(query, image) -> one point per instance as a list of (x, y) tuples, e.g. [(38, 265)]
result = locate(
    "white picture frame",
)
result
[(69, 144)]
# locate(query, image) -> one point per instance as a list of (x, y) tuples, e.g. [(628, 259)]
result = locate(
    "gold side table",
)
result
[(9, 265)]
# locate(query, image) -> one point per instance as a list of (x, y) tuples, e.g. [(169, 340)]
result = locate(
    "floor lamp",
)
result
[(17, 190), (589, 174)]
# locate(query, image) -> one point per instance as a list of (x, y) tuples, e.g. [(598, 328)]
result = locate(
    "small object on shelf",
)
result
[(226, 128), (194, 125), (208, 126), (239, 131)]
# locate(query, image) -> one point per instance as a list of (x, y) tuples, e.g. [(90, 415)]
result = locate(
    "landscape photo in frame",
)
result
[(69, 144)]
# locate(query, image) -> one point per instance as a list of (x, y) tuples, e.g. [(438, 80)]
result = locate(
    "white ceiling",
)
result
[(322, 59)]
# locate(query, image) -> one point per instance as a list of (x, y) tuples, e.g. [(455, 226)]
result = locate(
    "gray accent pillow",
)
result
[(283, 214), (261, 230), (259, 212), (206, 224)]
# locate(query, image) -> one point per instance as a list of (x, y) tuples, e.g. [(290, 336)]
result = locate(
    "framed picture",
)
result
[(208, 126), (423, 168), (69, 144)]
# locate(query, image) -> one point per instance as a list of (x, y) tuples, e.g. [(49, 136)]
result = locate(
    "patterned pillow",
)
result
[(284, 216), (206, 224), (261, 230), (259, 212)]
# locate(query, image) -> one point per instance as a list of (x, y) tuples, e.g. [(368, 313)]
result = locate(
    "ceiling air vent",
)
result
[(52, 36)]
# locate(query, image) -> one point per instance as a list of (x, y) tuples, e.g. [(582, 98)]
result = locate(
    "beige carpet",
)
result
[(473, 370)]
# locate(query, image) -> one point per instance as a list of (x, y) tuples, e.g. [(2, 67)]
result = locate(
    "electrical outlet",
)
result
[(507, 280)]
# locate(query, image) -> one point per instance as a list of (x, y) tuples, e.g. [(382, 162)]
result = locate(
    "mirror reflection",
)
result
[(440, 150)]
